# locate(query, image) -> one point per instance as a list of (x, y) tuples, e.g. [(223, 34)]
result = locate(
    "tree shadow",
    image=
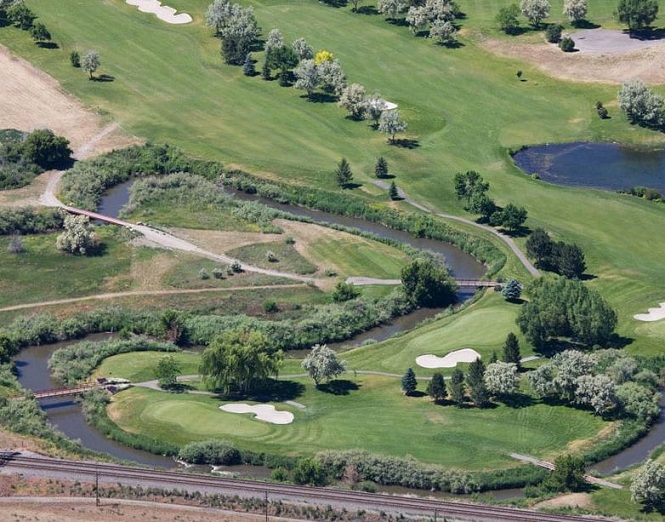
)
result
[(406, 143), (276, 390), (585, 24), (351, 186), (517, 232), (335, 3), (588, 277), (620, 341), (647, 34), (396, 198), (179, 387), (48, 45), (417, 394), (103, 78), (367, 10), (338, 387), (257, 45), (451, 45), (517, 400), (517, 31), (400, 22), (322, 97)]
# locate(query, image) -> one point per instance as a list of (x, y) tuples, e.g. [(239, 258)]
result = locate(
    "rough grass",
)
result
[(375, 416), (125, 365), (287, 257)]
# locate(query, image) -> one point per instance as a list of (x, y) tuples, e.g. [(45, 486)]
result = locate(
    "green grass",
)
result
[(140, 366), (44, 273), (376, 417), (288, 258)]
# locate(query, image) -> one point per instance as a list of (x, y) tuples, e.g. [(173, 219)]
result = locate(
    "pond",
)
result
[(608, 166)]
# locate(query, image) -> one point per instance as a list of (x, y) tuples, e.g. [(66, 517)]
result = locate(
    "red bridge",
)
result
[(98, 217), (63, 392)]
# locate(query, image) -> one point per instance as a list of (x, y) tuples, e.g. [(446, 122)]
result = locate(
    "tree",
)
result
[(238, 31), (217, 15), (417, 18), (353, 100), (77, 236), (381, 167), (283, 58), (456, 393), (512, 290), (568, 260), (483, 205), (321, 364), (428, 284), (265, 70), (248, 68), (173, 326), (307, 76), (575, 10), (640, 104), (638, 401), (507, 18), (596, 391), (303, 50), (409, 382), (375, 106), (235, 360), (513, 217), (75, 59), (568, 474), (553, 33), (42, 147), (511, 350), (637, 14), (648, 485), (344, 292), (535, 10), (443, 32), (343, 173), (391, 8), (567, 44), (390, 123), (40, 33), (168, 370), (501, 379), (468, 184), (437, 388), (8, 349), (90, 62), (323, 56), (475, 381), (274, 41), (355, 5), (20, 15), (332, 76), (393, 193), (309, 471), (539, 247)]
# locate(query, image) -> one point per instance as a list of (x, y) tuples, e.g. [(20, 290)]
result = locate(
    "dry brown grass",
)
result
[(572, 500), (222, 242)]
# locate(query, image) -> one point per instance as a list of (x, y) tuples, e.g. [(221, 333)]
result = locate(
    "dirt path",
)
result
[(142, 293)]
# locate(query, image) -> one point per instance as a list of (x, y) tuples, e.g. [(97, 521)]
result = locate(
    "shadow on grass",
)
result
[(451, 45), (406, 143), (400, 22), (585, 24), (335, 3), (48, 45), (338, 387), (517, 400), (274, 390), (367, 10), (351, 186), (180, 387), (322, 97), (103, 78)]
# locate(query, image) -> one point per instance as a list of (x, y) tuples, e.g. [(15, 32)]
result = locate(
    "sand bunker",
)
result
[(450, 360), (263, 412), (163, 12), (654, 314)]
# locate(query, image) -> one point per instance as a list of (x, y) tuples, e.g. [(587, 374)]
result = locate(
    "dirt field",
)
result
[(573, 500), (647, 65), (30, 99)]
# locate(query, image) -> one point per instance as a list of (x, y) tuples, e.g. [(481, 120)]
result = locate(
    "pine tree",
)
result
[(457, 387), (343, 173), (265, 71), (494, 357), (409, 382), (437, 388), (511, 350), (512, 290), (381, 167), (392, 191), (475, 380), (248, 68)]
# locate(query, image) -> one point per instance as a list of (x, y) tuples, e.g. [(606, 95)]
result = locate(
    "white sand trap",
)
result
[(450, 360), (263, 412), (163, 12), (655, 314)]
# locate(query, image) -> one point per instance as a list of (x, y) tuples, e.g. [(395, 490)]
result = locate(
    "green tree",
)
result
[(640, 104), (168, 370), (8, 349), (568, 260), (75, 59), (409, 382), (428, 284), (393, 193), (343, 173), (265, 70), (568, 474), (511, 350), (248, 68), (322, 364), (513, 217), (90, 62), (173, 326), (456, 392), (567, 44), (47, 150), (237, 359), (638, 401), (381, 167), (468, 184), (40, 33), (344, 292), (512, 290), (309, 471), (77, 236), (475, 381), (508, 20), (20, 15), (391, 123), (539, 247), (283, 58), (637, 14), (391, 8), (437, 388), (648, 485)]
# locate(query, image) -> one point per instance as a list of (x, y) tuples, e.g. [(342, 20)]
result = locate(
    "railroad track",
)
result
[(322, 496)]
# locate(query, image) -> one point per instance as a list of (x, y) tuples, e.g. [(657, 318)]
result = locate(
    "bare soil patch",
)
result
[(611, 67), (571, 500), (31, 99), (25, 196), (222, 242)]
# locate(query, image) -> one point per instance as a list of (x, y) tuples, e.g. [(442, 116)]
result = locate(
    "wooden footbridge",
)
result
[(477, 283), (64, 392)]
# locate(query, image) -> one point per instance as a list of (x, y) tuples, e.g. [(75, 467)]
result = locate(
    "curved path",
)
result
[(143, 292), (503, 237)]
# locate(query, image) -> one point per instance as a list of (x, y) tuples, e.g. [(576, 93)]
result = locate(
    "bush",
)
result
[(567, 44), (75, 59), (203, 274), (30, 221), (553, 33), (218, 273), (602, 111), (271, 257), (236, 267), (213, 452), (270, 306)]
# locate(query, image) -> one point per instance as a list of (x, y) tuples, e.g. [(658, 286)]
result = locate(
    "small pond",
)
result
[(608, 166)]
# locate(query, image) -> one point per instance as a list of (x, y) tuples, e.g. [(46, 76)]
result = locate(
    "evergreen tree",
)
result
[(494, 357), (343, 173), (381, 167), (409, 382), (457, 387), (392, 191), (475, 380), (511, 350), (248, 68), (265, 70), (512, 290), (437, 388)]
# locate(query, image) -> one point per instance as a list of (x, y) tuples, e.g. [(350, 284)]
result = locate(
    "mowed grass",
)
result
[(141, 366), (376, 416), (286, 257)]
